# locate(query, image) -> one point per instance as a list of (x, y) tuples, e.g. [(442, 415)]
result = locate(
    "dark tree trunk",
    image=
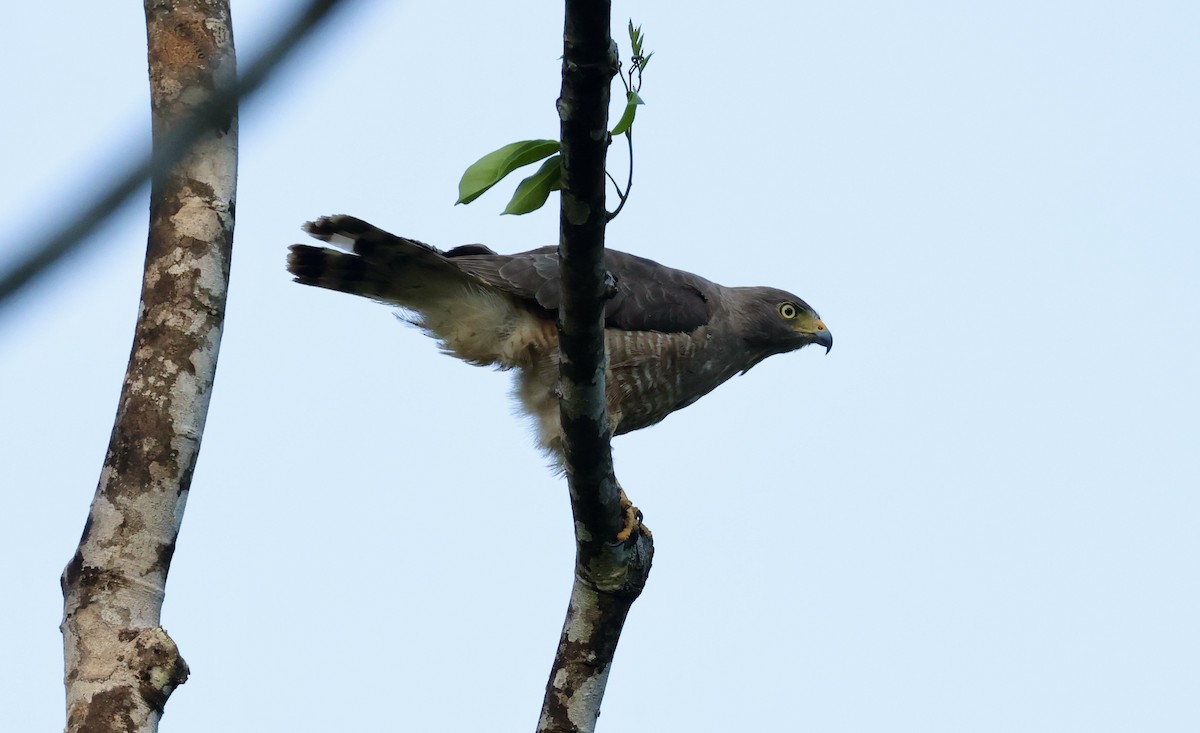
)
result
[(609, 572)]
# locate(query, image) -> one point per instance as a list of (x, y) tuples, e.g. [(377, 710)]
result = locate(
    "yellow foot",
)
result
[(633, 519)]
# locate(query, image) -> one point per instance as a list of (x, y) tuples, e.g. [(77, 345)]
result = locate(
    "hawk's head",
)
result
[(774, 321)]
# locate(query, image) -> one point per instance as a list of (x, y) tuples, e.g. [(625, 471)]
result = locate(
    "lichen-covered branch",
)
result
[(609, 573), (121, 666)]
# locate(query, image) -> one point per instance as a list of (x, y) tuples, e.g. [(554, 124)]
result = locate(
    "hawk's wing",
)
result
[(408, 273), (649, 297)]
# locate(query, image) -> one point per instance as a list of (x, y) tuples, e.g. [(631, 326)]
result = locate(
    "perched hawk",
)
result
[(671, 336)]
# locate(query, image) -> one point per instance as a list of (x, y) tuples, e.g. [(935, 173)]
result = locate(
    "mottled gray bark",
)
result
[(613, 556), (121, 666)]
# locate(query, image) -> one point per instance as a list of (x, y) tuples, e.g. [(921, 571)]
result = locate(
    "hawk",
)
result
[(672, 337)]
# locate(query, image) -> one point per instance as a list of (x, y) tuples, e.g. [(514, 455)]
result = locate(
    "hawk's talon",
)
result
[(633, 518)]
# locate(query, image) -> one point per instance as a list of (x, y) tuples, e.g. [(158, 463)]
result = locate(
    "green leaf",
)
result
[(646, 60), (491, 168), (635, 38), (626, 120), (534, 190)]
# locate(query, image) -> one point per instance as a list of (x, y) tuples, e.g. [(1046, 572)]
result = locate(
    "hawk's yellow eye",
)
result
[(788, 310)]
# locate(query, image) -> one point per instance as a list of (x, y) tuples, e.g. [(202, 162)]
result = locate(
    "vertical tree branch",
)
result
[(121, 666), (609, 574)]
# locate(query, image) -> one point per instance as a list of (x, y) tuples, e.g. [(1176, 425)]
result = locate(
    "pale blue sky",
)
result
[(978, 513)]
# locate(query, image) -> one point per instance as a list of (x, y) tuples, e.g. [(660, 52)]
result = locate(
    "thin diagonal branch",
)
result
[(71, 235), (629, 184), (609, 574)]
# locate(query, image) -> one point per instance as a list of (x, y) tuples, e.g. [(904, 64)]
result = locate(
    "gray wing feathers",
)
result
[(376, 264), (649, 297)]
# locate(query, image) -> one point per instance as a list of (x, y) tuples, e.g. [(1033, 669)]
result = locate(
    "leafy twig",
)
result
[(533, 191)]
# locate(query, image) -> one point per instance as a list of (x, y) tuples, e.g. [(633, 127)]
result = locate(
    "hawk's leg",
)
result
[(633, 518)]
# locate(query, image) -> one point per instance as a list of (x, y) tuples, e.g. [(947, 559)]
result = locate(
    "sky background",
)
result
[(978, 513)]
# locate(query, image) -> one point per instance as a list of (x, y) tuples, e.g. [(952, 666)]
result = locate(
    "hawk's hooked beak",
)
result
[(823, 337)]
